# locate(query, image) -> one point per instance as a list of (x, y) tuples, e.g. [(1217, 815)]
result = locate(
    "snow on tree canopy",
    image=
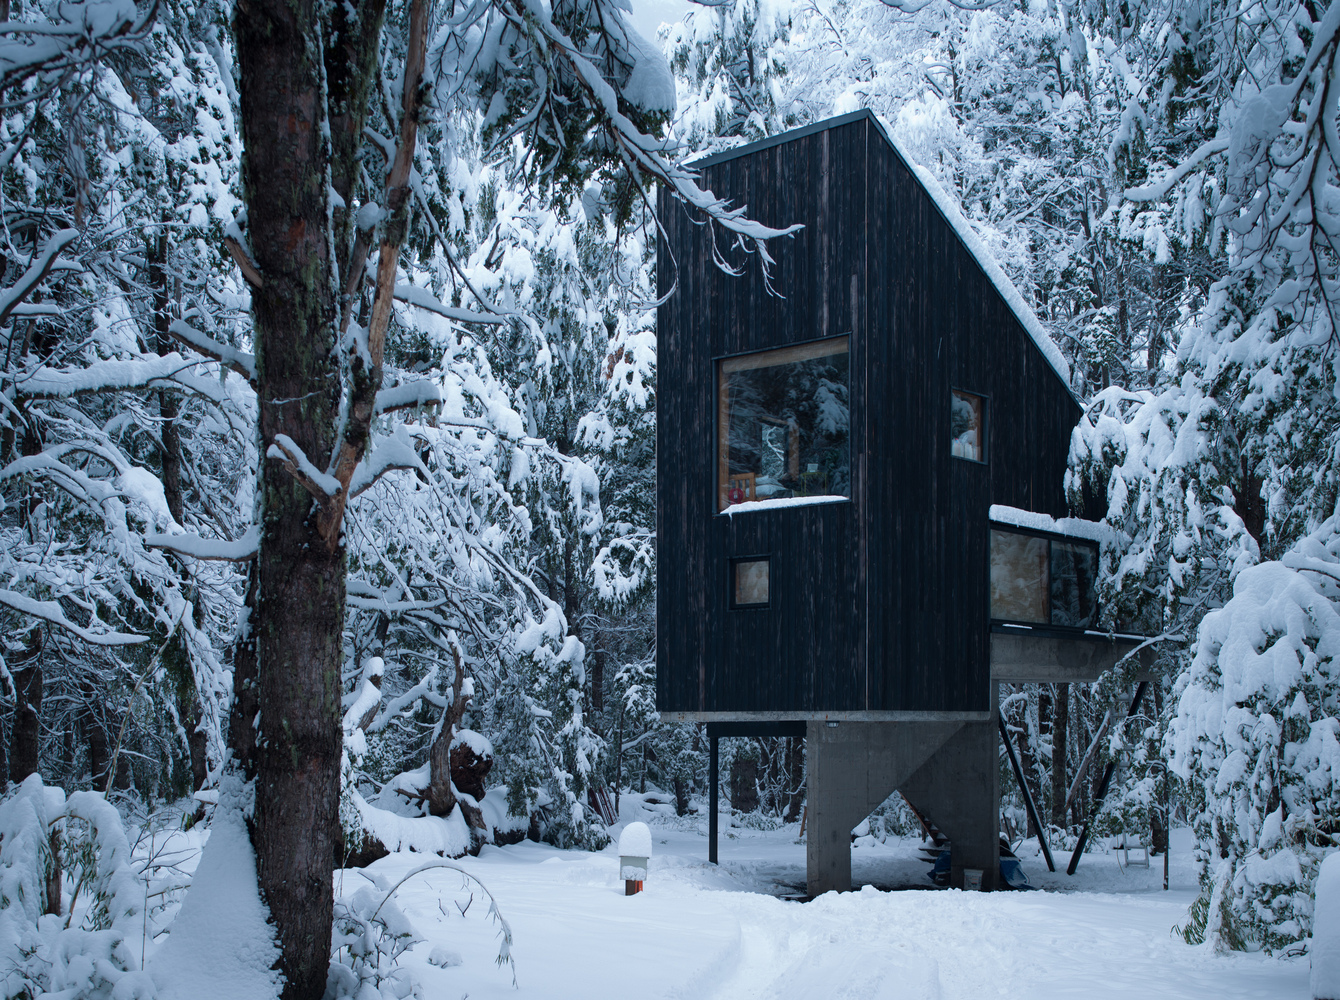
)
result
[(1325, 950), (1256, 741), (635, 841), (650, 85)]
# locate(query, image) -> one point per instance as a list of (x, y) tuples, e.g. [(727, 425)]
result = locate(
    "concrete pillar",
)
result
[(851, 768), (958, 789)]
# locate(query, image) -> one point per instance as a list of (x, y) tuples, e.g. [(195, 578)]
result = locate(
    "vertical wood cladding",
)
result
[(879, 603)]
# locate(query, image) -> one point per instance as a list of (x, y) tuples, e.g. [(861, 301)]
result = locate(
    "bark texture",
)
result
[(95, 735), (307, 71), (298, 610), (23, 749)]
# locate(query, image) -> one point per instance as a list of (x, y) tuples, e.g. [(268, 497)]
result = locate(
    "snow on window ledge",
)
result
[(752, 505), (1032, 520)]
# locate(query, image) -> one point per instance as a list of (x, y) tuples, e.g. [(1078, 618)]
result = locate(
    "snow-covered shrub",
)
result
[(1255, 741), (43, 948), (371, 933)]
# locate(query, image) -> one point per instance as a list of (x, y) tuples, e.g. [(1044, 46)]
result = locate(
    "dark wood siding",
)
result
[(880, 603)]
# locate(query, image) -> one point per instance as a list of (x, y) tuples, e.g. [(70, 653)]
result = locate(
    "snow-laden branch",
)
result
[(148, 371), (196, 547), (424, 299), (51, 611), (385, 452), (320, 484), (1159, 189), (239, 361), (407, 395), (42, 264), (564, 63), (86, 33)]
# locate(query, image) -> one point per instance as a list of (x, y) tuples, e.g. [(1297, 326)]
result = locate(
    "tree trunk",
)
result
[(1028, 764), (598, 678), (1158, 814), (795, 756), (441, 794), (298, 615), (1249, 504), (1060, 746), (246, 698), (24, 745), (169, 435), (95, 734), (54, 876)]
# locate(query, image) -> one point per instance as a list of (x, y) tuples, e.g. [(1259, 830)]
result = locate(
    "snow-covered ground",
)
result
[(704, 932)]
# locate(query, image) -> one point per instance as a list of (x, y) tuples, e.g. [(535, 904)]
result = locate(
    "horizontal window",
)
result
[(783, 424), (1044, 581)]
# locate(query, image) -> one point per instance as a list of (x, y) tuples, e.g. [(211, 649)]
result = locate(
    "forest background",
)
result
[(370, 399)]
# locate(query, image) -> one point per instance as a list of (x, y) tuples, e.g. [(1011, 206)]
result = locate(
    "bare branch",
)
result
[(244, 261)]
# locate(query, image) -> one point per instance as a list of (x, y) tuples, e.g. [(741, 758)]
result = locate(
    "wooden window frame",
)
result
[(986, 425)]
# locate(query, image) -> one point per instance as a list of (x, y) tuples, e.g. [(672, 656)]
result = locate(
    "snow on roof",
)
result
[(948, 208), (1032, 520)]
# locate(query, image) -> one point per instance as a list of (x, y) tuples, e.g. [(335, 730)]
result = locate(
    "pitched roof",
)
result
[(948, 209)]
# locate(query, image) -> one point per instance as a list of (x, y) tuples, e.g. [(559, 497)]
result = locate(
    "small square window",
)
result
[(967, 426), (749, 582)]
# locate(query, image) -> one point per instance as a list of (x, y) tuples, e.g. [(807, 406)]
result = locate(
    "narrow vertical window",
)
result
[(783, 424), (749, 584), (967, 426)]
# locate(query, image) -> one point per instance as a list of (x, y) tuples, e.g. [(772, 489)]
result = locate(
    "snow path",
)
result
[(701, 932)]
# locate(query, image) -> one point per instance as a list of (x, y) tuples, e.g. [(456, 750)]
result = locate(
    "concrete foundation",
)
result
[(948, 770)]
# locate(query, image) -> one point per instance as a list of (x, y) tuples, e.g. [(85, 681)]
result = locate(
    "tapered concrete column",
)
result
[(958, 789), (832, 768), (851, 768)]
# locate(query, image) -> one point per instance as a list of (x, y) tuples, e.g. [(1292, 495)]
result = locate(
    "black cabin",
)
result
[(827, 455)]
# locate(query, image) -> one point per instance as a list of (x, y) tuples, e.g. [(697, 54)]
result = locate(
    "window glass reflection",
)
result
[(1019, 568), (784, 424), (967, 426), (750, 586), (1074, 573), (1042, 580)]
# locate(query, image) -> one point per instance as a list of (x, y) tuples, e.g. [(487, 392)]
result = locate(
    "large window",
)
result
[(1042, 580), (783, 424)]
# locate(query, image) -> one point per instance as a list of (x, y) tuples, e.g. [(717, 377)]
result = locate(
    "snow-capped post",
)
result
[(634, 856), (1325, 948)]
